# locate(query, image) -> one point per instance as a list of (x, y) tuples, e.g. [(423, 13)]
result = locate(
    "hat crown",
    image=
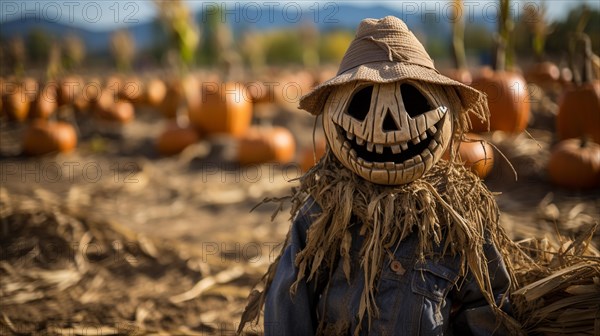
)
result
[(390, 23), (384, 40)]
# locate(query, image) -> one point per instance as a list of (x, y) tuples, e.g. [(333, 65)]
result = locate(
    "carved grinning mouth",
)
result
[(381, 156)]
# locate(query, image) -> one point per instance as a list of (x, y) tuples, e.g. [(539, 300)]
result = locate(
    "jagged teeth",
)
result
[(352, 153), (349, 135), (418, 159), (426, 153), (432, 130), (360, 141), (423, 136), (404, 145), (370, 146), (396, 149), (433, 144), (363, 163), (379, 149), (415, 140)]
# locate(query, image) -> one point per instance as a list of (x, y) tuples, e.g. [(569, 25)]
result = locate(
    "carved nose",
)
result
[(389, 123)]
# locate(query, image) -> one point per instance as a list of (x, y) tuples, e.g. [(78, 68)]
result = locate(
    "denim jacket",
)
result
[(413, 298)]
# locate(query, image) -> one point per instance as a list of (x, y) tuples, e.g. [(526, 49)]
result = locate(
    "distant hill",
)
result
[(95, 41), (344, 16)]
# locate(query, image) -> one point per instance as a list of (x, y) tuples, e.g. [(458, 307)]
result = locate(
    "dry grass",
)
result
[(66, 271)]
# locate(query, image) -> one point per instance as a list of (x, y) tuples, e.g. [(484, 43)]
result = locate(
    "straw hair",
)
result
[(385, 51)]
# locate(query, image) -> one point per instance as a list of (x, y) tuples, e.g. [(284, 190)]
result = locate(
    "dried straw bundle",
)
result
[(560, 291)]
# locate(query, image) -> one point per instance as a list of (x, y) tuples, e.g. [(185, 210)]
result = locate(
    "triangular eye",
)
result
[(415, 102), (360, 103)]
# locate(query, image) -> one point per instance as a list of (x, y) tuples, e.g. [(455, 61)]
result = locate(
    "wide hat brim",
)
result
[(387, 72)]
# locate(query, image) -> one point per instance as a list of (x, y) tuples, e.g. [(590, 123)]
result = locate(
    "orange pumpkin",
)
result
[(266, 144), (91, 92), (225, 108), (105, 100), (476, 154), (258, 92), (566, 77), (579, 107), (543, 74), (175, 139), (486, 71), (43, 137), (132, 90), (30, 87), (311, 153), (508, 101), (579, 112), (575, 164), (121, 112), (155, 92), (292, 86), (113, 83), (69, 89), (45, 103), (16, 104)]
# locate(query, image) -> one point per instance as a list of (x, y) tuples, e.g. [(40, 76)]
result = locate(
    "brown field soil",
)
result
[(113, 239)]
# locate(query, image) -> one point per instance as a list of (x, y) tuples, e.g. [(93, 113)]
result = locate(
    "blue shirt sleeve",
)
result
[(287, 314), (475, 316)]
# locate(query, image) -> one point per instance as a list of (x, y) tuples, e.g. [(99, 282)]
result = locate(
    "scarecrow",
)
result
[(387, 237)]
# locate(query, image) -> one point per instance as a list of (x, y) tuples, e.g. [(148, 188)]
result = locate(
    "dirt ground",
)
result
[(113, 239)]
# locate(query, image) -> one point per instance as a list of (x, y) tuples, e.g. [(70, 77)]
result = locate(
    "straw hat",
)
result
[(386, 51)]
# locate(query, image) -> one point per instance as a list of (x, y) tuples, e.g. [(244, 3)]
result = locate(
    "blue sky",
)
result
[(105, 14)]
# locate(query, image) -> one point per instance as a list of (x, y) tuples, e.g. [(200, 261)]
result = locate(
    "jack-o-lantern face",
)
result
[(388, 133)]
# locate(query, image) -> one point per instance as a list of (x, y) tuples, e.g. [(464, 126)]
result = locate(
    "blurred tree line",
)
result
[(218, 45), (41, 50), (559, 33), (479, 40)]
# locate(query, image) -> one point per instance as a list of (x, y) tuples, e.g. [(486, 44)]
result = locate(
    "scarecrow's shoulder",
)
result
[(302, 221), (308, 213)]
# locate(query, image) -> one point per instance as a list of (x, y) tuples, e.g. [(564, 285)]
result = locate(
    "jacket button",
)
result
[(396, 266)]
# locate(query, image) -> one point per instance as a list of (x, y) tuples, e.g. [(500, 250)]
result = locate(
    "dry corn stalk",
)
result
[(560, 287)]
